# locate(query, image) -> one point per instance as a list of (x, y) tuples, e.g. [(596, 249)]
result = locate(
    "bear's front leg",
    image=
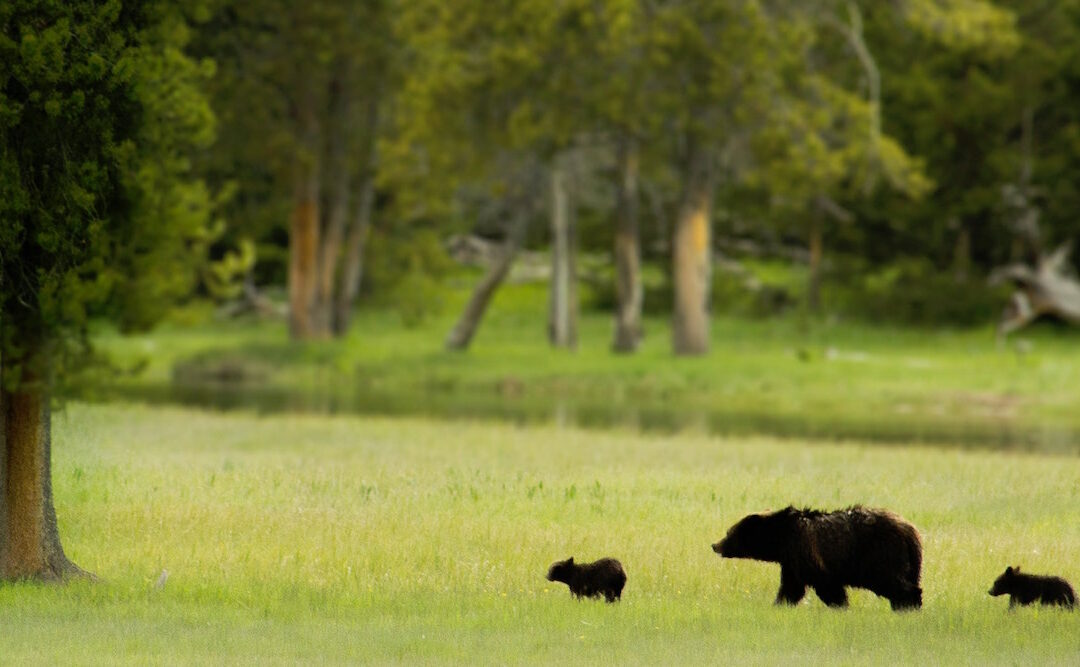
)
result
[(833, 595), (792, 588)]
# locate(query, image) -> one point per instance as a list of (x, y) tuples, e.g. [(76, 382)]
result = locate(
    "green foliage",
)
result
[(281, 67), (223, 278), (405, 273), (965, 25), (99, 113), (913, 291)]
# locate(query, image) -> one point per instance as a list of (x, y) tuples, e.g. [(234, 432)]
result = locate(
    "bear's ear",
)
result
[(570, 560), (1016, 569), (1009, 570)]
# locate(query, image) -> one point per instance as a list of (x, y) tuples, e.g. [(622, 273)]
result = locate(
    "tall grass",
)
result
[(341, 540)]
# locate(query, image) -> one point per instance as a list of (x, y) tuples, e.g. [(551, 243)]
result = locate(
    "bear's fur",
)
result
[(860, 547), (1024, 589), (604, 577)]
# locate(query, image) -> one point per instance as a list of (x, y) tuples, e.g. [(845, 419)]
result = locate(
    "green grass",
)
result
[(348, 540), (827, 376)]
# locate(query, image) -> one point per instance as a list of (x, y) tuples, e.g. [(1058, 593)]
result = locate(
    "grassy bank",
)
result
[(379, 540), (820, 375)]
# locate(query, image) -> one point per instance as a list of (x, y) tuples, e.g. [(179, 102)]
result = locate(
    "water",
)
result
[(641, 416)]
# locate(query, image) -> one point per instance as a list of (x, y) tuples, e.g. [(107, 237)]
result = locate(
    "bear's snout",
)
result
[(719, 547)]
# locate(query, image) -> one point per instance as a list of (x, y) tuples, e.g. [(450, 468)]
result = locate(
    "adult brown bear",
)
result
[(828, 551)]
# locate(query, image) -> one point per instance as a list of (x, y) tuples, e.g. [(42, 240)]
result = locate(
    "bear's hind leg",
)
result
[(833, 595), (906, 597)]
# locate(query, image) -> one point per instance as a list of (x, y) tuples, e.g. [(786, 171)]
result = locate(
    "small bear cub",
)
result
[(604, 577), (1024, 589)]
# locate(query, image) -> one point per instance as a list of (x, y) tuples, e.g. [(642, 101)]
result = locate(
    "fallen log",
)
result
[(1050, 289)]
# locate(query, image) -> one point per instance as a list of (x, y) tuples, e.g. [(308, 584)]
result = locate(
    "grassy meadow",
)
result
[(790, 375), (372, 540)]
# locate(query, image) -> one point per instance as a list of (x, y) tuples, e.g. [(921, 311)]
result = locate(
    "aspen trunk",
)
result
[(461, 335), (691, 259), (29, 538), (330, 253), (813, 284), (562, 302), (628, 288), (338, 168), (304, 227), (303, 257), (352, 269)]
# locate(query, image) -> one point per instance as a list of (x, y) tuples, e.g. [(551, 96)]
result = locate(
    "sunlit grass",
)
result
[(376, 540)]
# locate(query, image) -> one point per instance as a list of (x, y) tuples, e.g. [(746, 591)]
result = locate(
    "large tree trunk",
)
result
[(562, 303), (628, 289), (462, 333), (29, 538), (691, 257), (353, 268)]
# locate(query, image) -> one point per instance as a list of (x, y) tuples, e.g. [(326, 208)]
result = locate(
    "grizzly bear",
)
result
[(604, 577), (1023, 589), (858, 546)]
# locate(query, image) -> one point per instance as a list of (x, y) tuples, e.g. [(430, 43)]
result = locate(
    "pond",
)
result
[(605, 413)]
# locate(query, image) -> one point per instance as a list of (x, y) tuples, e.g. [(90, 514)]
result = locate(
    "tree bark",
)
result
[(562, 301), (352, 270), (628, 289), (303, 258), (338, 167), (691, 257), (813, 282), (304, 231), (461, 335), (30, 545)]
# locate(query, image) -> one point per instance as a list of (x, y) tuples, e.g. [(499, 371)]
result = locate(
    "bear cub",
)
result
[(1024, 589), (604, 577), (828, 551)]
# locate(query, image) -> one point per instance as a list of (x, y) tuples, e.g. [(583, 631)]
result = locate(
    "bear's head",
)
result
[(758, 536), (1003, 584), (562, 571)]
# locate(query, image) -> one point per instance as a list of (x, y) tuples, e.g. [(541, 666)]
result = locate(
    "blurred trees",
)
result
[(100, 216), (901, 144), (302, 90)]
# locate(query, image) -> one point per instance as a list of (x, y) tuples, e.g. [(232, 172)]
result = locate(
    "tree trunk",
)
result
[(303, 257), (353, 268), (304, 228), (691, 258), (338, 167), (29, 538), (813, 283), (628, 289), (562, 303), (462, 333)]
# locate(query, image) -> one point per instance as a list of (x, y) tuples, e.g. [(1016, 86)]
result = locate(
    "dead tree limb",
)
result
[(1050, 289)]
